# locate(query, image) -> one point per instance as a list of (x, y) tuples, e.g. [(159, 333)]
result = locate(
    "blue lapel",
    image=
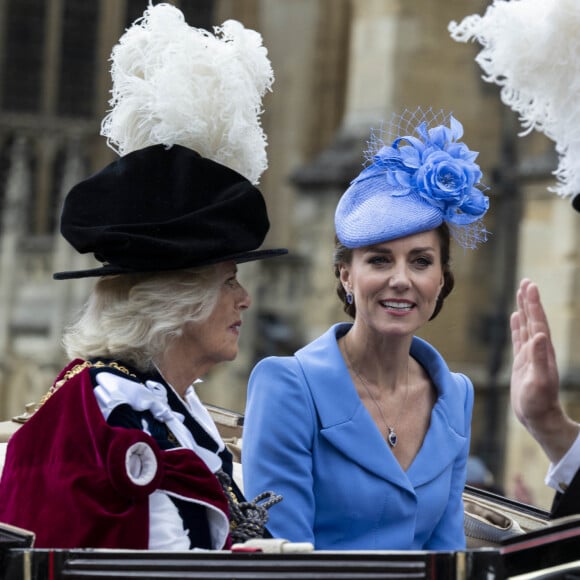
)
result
[(450, 425), (343, 417)]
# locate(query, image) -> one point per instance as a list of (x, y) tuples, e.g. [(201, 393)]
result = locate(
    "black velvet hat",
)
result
[(160, 208)]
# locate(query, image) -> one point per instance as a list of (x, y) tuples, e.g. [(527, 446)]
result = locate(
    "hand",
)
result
[(534, 389)]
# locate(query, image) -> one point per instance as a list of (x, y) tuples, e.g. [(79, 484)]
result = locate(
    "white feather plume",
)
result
[(531, 49), (178, 85)]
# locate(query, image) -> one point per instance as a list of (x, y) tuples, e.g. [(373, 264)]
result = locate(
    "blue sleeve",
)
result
[(278, 437), (450, 529)]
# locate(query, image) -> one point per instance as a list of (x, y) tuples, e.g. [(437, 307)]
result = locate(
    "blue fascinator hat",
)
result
[(416, 178)]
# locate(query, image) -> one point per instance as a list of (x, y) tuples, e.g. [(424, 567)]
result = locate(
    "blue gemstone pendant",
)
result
[(391, 436)]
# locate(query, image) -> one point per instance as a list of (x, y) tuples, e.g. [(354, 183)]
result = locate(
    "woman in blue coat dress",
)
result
[(365, 432)]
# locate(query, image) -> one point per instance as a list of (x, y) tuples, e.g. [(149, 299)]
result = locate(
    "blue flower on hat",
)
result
[(437, 167), (419, 178)]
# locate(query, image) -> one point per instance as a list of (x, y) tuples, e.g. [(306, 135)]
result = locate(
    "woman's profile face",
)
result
[(215, 340), (395, 284)]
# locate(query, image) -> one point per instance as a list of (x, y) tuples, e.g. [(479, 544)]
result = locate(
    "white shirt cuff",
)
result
[(560, 475)]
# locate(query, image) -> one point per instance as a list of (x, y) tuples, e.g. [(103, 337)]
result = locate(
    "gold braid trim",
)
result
[(79, 369), (73, 373), (99, 364)]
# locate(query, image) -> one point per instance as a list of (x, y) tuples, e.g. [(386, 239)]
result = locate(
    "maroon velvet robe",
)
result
[(65, 478)]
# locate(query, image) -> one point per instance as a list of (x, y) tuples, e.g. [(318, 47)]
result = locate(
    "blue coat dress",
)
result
[(308, 437)]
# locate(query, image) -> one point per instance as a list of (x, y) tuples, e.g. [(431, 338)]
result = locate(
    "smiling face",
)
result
[(395, 284), (214, 340)]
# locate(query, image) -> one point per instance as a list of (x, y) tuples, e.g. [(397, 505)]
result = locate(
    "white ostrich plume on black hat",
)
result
[(178, 85), (531, 49)]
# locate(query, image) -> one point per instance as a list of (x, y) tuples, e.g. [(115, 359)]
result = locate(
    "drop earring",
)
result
[(349, 298)]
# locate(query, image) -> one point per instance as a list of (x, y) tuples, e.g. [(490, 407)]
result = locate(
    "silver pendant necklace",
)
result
[(391, 434)]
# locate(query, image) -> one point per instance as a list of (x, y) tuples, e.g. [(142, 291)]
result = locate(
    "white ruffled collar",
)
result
[(113, 390)]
